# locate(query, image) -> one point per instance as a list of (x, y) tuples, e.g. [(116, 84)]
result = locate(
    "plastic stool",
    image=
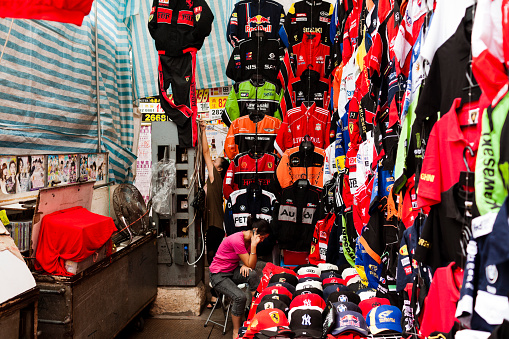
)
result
[(226, 305)]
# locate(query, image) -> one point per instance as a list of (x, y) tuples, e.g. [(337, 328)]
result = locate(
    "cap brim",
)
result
[(273, 331), (308, 332), (387, 327), (340, 330)]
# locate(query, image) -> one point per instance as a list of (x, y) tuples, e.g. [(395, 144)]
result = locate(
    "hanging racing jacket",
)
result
[(319, 244), (294, 165), (245, 134), (307, 16), (308, 87), (244, 168), (311, 53), (301, 121), (178, 25), (256, 56), (249, 96), (241, 204), (249, 16), (296, 216)]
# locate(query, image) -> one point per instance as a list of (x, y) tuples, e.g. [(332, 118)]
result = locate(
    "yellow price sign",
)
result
[(217, 102)]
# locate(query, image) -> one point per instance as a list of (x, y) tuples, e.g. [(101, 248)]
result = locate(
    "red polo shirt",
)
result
[(443, 160)]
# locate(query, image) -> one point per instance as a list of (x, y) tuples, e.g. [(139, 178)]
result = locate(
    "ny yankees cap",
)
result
[(308, 300), (306, 322), (272, 304), (284, 277), (384, 318), (286, 285), (368, 304), (350, 321), (346, 306)]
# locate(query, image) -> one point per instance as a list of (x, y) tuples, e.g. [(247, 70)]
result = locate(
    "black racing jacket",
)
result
[(177, 25)]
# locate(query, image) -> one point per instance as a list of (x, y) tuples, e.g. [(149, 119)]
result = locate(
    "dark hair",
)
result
[(261, 225), (224, 166)]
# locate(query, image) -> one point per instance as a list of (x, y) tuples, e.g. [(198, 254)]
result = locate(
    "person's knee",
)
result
[(253, 280)]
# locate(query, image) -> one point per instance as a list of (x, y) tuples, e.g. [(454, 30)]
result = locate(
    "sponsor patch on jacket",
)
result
[(185, 18), (164, 2), (164, 15)]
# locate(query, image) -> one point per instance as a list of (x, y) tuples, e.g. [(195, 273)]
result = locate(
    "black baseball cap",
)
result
[(333, 288), (272, 303), (306, 322), (308, 291), (283, 297), (349, 296), (346, 306), (284, 277)]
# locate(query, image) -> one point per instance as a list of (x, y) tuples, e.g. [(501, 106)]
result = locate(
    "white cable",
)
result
[(6, 39), (203, 243)]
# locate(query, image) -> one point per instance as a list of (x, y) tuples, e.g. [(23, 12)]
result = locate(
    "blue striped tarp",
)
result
[(48, 87)]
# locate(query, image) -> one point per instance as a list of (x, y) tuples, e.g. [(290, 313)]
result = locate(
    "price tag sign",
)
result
[(217, 102)]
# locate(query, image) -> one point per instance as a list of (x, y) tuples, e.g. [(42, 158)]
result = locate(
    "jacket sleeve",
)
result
[(204, 17), (283, 171), (231, 30), (282, 135), (229, 225), (228, 183), (152, 19), (279, 97), (230, 147), (232, 106)]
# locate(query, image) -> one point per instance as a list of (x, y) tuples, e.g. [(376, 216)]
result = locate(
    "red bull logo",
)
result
[(258, 20), (349, 320)]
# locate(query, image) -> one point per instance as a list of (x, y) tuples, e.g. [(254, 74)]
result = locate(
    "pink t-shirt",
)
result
[(227, 255)]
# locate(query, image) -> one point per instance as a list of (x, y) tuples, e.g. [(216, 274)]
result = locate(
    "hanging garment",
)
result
[(294, 165), (407, 263), (296, 216), (69, 11), (311, 53), (307, 17), (179, 29), (252, 96), (320, 241), (245, 167), (249, 16), (308, 87), (444, 151), (245, 135), (241, 204), (301, 121), (252, 56)]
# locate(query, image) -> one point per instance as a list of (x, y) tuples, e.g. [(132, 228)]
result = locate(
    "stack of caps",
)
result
[(268, 324)]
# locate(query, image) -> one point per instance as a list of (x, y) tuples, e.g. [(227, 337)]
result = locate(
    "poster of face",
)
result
[(73, 165), (101, 168), (63, 168), (83, 169), (8, 173), (23, 176), (53, 173), (92, 166), (37, 172)]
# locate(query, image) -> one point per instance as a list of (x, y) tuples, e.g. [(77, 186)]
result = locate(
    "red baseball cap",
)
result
[(270, 322), (333, 281), (310, 299), (274, 290), (368, 304)]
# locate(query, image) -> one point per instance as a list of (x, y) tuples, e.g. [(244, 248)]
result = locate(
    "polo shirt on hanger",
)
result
[(444, 153), (301, 121)]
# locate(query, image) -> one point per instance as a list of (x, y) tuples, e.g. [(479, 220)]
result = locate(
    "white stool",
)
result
[(226, 305)]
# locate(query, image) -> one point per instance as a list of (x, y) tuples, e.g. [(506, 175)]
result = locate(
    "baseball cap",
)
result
[(333, 280), (333, 288), (366, 293), (356, 286), (306, 322), (368, 304), (283, 297), (309, 270), (269, 322), (289, 287), (271, 304), (309, 277), (308, 300), (346, 306), (330, 274), (327, 267), (275, 290), (348, 272), (353, 279), (349, 296), (308, 291), (384, 318), (284, 277), (309, 284), (350, 321)]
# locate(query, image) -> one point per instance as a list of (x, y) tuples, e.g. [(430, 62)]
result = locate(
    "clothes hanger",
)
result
[(472, 92)]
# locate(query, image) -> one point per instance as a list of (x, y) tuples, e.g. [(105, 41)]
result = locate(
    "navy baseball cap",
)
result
[(333, 288), (384, 318), (350, 321), (346, 306), (349, 296)]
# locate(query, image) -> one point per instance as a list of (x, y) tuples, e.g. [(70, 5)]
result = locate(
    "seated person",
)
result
[(225, 272)]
